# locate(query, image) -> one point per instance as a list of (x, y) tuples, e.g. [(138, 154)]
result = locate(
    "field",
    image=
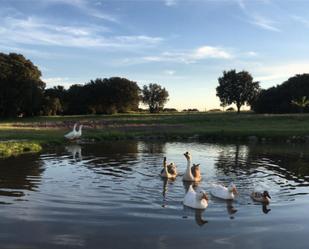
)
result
[(205, 126)]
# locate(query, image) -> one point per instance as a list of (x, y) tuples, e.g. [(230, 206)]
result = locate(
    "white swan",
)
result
[(226, 193), (262, 197), (192, 174), (169, 171), (196, 199), (71, 135)]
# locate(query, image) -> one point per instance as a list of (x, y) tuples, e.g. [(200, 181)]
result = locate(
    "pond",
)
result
[(110, 195)]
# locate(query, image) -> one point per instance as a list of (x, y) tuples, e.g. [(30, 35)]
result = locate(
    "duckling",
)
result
[(261, 197), (169, 171)]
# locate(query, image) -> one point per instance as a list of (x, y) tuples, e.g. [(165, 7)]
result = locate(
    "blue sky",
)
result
[(184, 45)]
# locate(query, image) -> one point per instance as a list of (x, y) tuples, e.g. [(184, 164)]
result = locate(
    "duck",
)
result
[(71, 135), (262, 197), (196, 199), (192, 174), (169, 171), (222, 192)]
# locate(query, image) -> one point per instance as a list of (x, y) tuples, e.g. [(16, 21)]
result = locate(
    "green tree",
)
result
[(301, 103), (278, 99), (21, 87), (238, 88), (52, 106), (155, 97)]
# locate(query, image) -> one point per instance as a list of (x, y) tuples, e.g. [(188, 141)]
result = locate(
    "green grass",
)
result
[(12, 148), (215, 126)]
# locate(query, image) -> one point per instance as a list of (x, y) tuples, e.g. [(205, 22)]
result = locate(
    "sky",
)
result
[(183, 45)]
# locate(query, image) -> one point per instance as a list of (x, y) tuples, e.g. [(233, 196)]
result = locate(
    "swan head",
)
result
[(164, 161), (201, 194), (266, 194), (187, 155), (232, 188)]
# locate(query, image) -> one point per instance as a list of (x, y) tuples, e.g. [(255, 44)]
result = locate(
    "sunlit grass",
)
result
[(10, 148)]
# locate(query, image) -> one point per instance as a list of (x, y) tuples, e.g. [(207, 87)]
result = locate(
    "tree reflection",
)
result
[(20, 173)]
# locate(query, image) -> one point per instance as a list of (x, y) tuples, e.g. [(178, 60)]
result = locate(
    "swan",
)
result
[(192, 174), (262, 197), (169, 171), (226, 193), (196, 199), (71, 135)]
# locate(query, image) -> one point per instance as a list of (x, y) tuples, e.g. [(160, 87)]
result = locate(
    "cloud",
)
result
[(191, 56), (169, 72), (56, 81), (264, 23), (83, 5), (34, 31), (301, 20), (170, 2), (281, 71)]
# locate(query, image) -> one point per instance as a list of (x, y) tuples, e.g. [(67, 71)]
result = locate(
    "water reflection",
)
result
[(197, 213), (113, 192), (20, 174), (75, 150)]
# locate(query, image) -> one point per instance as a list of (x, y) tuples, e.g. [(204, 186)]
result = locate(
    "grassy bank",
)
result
[(205, 126)]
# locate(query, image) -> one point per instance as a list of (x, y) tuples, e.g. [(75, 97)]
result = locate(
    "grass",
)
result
[(12, 148), (208, 126)]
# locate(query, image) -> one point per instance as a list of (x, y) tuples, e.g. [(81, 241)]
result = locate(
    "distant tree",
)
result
[(155, 97), (238, 88), (230, 109), (21, 87), (113, 95), (301, 103), (170, 110), (57, 92), (52, 106), (280, 98)]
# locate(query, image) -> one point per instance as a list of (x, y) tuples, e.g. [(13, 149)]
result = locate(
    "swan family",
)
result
[(74, 134), (197, 198)]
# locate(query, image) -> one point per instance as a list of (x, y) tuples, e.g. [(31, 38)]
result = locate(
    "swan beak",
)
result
[(235, 191)]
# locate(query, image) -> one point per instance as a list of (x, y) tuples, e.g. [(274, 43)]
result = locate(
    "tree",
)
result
[(238, 88), (301, 103), (155, 97), (52, 106), (21, 86), (280, 98)]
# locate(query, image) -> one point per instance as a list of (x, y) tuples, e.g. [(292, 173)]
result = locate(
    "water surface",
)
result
[(109, 195)]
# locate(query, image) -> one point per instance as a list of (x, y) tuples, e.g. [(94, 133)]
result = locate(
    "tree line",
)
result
[(239, 88), (23, 93)]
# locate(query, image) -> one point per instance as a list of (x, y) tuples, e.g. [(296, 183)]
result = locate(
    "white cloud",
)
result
[(191, 56), (85, 6), (56, 81), (169, 72), (170, 2), (34, 31), (264, 23), (282, 71), (301, 20)]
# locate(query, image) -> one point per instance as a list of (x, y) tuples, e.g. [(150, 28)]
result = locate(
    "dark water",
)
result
[(110, 196)]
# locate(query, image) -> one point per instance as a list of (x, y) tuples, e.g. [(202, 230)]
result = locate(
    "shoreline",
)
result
[(204, 127)]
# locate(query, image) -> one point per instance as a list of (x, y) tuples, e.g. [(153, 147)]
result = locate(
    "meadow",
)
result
[(176, 126)]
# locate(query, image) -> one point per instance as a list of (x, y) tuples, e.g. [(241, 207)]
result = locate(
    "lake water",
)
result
[(109, 195)]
